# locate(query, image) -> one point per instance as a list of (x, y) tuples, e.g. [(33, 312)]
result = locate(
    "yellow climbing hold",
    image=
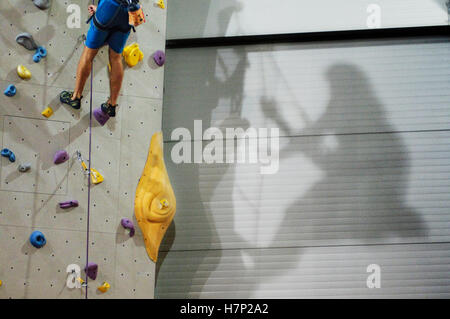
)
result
[(47, 112), (1, 283), (164, 203), (161, 4), (132, 54), (153, 195), (104, 287), (23, 72), (96, 177)]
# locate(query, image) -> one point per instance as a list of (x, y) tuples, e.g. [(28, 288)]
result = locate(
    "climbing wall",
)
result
[(29, 201)]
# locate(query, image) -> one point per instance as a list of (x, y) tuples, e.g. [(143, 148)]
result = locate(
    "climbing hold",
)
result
[(23, 72), (8, 153), (26, 40), (82, 282), (42, 4), (37, 239), (96, 177), (132, 54), (41, 52), (128, 224), (60, 157), (68, 204), (1, 283), (36, 58), (164, 203), (104, 287), (10, 90), (24, 167), (161, 4), (154, 187), (91, 270), (159, 57), (47, 112), (100, 116)]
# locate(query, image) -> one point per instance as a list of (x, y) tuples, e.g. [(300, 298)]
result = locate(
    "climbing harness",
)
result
[(135, 16)]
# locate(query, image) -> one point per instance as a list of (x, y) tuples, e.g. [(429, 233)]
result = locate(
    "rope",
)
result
[(89, 170)]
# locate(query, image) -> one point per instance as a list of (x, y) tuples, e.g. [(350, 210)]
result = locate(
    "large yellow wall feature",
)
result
[(155, 203)]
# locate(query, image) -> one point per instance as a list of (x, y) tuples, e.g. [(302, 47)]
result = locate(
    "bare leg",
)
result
[(115, 76), (83, 70)]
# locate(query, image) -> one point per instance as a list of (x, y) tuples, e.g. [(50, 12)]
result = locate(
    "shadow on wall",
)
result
[(199, 23), (375, 180), (215, 89), (370, 185)]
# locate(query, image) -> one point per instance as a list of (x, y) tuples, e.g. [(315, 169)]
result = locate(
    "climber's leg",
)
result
[(83, 71), (115, 82), (116, 76)]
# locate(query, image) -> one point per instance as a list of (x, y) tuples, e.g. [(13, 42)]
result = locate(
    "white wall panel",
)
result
[(203, 18)]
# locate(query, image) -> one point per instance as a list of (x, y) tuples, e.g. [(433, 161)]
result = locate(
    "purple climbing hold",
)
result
[(101, 116), (159, 57), (68, 204), (128, 224), (60, 157), (91, 270)]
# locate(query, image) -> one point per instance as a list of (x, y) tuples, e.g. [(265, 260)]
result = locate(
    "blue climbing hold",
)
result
[(37, 57), (41, 52), (10, 90), (7, 153), (37, 239)]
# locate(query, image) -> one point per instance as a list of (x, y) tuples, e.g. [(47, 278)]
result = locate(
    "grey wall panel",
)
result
[(370, 188), (363, 171), (379, 86), (407, 271)]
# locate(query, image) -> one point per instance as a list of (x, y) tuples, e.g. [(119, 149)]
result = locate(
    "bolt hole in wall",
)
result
[(42, 50)]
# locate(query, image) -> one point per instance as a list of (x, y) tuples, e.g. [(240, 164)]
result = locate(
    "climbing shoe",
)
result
[(66, 97), (109, 109)]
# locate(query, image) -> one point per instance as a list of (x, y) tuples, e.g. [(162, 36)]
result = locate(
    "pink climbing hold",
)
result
[(100, 116), (159, 57), (91, 270), (60, 157)]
